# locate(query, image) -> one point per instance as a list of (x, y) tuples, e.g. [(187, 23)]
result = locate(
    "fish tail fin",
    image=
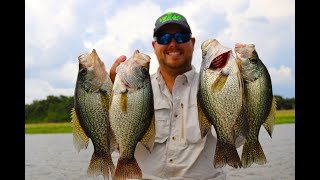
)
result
[(226, 154), (252, 153), (127, 168), (101, 165)]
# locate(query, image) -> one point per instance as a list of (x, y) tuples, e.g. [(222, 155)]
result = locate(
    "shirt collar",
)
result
[(189, 75)]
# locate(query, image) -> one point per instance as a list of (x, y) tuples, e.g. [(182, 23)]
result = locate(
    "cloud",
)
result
[(57, 32), (38, 89), (29, 61), (68, 72), (48, 19), (282, 76), (271, 8), (127, 30)]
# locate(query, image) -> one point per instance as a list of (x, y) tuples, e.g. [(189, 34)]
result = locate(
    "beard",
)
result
[(175, 62)]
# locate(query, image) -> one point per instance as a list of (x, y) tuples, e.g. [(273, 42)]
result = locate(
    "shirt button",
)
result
[(173, 138), (171, 160), (175, 115)]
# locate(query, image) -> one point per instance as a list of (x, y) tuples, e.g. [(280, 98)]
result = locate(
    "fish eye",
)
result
[(253, 60), (204, 53), (144, 70), (84, 71)]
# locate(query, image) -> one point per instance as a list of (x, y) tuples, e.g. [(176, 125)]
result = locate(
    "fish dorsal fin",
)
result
[(106, 93), (269, 123), (149, 137), (80, 138)]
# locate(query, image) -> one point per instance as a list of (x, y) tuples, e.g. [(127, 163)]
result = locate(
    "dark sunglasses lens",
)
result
[(181, 38), (164, 39)]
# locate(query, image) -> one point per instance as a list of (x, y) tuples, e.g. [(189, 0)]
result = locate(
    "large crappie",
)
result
[(90, 115), (259, 101), (132, 113), (220, 96)]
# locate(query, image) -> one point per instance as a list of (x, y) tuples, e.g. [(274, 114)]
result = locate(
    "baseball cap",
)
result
[(171, 18)]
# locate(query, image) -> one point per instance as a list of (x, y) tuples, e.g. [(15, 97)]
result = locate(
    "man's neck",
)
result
[(169, 75)]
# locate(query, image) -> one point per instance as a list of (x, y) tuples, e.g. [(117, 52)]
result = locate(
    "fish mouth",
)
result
[(214, 48), (243, 51), (85, 60), (91, 63), (214, 54), (90, 60), (205, 46), (239, 45)]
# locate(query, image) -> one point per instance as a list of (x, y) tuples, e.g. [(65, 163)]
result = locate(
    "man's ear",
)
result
[(193, 40), (153, 44)]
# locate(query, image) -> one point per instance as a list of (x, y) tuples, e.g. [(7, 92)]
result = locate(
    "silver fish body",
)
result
[(259, 102), (220, 96), (131, 112), (90, 116)]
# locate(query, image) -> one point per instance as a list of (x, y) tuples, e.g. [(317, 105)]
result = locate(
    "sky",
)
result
[(58, 31)]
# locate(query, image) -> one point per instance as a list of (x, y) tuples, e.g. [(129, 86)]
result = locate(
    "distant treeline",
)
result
[(58, 108), (52, 109)]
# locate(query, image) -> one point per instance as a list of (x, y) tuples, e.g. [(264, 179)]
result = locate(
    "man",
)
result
[(179, 151)]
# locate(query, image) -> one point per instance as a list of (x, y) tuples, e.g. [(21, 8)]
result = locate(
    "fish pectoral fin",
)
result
[(105, 101), (204, 123), (80, 138), (241, 84), (238, 61), (270, 121), (149, 137), (123, 101), (219, 83)]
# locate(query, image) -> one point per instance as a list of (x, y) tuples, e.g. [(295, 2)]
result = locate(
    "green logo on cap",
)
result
[(170, 16)]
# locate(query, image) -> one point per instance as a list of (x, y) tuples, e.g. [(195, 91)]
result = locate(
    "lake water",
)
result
[(53, 157)]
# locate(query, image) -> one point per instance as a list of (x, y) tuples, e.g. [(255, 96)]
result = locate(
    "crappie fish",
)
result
[(259, 100), (90, 115), (132, 113), (220, 96)]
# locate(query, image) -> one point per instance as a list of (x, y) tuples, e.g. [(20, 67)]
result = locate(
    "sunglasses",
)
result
[(165, 39)]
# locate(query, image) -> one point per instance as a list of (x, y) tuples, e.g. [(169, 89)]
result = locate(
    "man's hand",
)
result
[(115, 65)]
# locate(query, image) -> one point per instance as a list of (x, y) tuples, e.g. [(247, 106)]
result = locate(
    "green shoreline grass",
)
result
[(282, 117)]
